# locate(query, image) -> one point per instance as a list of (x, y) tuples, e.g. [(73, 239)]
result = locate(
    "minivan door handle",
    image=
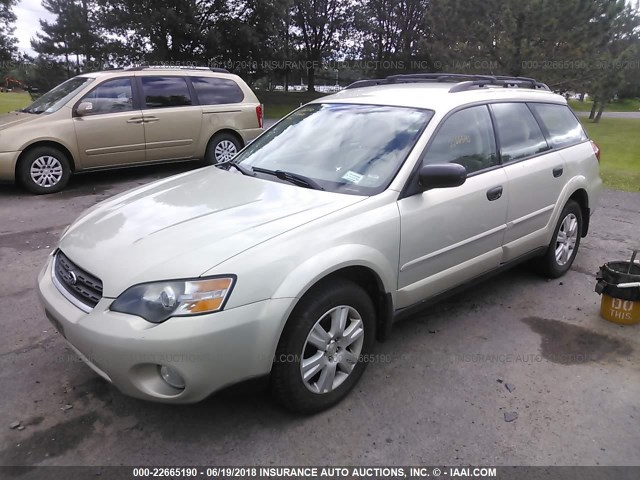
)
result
[(494, 194), (557, 172), (150, 119)]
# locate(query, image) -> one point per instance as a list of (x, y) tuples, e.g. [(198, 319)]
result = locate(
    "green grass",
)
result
[(624, 105), (279, 104), (13, 101), (619, 142)]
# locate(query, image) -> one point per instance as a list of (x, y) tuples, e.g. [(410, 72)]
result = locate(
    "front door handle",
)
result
[(557, 172), (135, 120), (495, 193)]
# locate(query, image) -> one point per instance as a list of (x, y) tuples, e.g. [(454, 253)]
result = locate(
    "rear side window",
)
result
[(162, 92), (111, 96), (561, 124), (216, 91), (519, 133), (466, 138)]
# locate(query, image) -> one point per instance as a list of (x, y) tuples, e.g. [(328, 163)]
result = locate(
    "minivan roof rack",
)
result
[(463, 81), (162, 67)]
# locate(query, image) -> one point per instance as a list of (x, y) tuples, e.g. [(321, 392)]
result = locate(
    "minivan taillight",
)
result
[(596, 149), (259, 115)]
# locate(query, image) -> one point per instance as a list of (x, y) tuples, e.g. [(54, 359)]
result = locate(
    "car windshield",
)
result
[(345, 148), (54, 99)]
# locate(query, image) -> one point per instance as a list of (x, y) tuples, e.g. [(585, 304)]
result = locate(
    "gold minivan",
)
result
[(127, 117)]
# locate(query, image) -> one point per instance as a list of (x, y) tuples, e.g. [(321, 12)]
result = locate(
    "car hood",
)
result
[(15, 118), (182, 226)]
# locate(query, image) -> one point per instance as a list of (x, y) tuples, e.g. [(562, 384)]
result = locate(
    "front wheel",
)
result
[(320, 354), (44, 170), (565, 242)]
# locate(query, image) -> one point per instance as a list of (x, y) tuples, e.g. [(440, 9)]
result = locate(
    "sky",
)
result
[(28, 13)]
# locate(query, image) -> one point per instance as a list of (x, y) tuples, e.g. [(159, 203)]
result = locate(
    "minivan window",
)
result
[(111, 96), (345, 148), (162, 92), (518, 131), (466, 138), (216, 91), (54, 99), (563, 127)]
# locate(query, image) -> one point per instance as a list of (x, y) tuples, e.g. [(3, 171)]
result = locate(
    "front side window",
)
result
[(519, 133), (563, 127), (163, 92), (111, 96), (54, 99), (466, 138), (346, 148), (216, 91)]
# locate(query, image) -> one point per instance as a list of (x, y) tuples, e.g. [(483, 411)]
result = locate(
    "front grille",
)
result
[(81, 284)]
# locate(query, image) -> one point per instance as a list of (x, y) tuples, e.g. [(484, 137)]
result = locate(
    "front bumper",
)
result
[(209, 351), (8, 162)]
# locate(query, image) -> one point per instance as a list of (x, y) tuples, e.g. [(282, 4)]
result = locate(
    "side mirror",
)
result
[(442, 175), (84, 108)]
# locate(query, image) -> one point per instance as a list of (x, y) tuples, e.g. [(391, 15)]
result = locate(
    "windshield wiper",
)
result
[(290, 177), (240, 168)]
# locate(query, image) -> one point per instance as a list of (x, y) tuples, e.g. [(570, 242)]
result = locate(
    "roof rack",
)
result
[(169, 67), (463, 81)]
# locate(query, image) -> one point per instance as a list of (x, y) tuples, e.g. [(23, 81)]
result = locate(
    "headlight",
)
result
[(156, 302)]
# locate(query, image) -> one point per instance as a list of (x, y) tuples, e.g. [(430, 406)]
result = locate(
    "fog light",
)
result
[(173, 378)]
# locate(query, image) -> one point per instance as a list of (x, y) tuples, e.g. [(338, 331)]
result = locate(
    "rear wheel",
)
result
[(44, 170), (222, 147), (564, 244), (320, 354)]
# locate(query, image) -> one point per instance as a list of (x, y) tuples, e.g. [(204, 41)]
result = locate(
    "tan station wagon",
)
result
[(127, 117)]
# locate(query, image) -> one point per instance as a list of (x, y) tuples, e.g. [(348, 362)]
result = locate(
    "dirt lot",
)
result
[(439, 396)]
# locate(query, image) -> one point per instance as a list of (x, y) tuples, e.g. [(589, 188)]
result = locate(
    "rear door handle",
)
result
[(495, 193), (557, 172), (151, 119)]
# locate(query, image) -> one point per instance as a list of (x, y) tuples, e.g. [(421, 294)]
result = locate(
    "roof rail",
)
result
[(168, 67), (463, 81)]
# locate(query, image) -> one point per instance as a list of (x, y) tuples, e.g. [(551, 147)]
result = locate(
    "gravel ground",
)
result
[(448, 379)]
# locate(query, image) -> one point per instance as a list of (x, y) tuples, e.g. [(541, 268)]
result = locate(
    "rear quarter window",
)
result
[(562, 127), (217, 91)]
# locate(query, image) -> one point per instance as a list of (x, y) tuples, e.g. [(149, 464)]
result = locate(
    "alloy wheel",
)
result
[(566, 239), (332, 349)]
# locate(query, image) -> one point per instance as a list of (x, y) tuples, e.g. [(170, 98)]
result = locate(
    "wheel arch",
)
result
[(229, 131), (367, 278), (581, 197), (47, 143)]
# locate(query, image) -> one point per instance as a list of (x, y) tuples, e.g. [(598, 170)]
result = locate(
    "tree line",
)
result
[(573, 45)]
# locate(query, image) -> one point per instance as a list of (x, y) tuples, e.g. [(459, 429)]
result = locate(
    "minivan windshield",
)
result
[(346, 148), (54, 99)]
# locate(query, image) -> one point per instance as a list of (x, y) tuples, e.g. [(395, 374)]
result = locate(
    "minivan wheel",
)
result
[(222, 147), (565, 242), (44, 170), (323, 350)]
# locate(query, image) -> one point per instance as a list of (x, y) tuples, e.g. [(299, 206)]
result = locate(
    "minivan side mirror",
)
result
[(84, 108), (442, 175)]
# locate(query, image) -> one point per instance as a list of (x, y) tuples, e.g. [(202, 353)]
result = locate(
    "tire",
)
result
[(44, 170), (563, 249), (222, 147), (321, 308)]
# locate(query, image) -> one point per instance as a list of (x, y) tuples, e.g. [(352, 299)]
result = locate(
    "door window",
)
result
[(163, 92), (216, 91), (112, 96), (466, 138), (562, 125), (519, 133)]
